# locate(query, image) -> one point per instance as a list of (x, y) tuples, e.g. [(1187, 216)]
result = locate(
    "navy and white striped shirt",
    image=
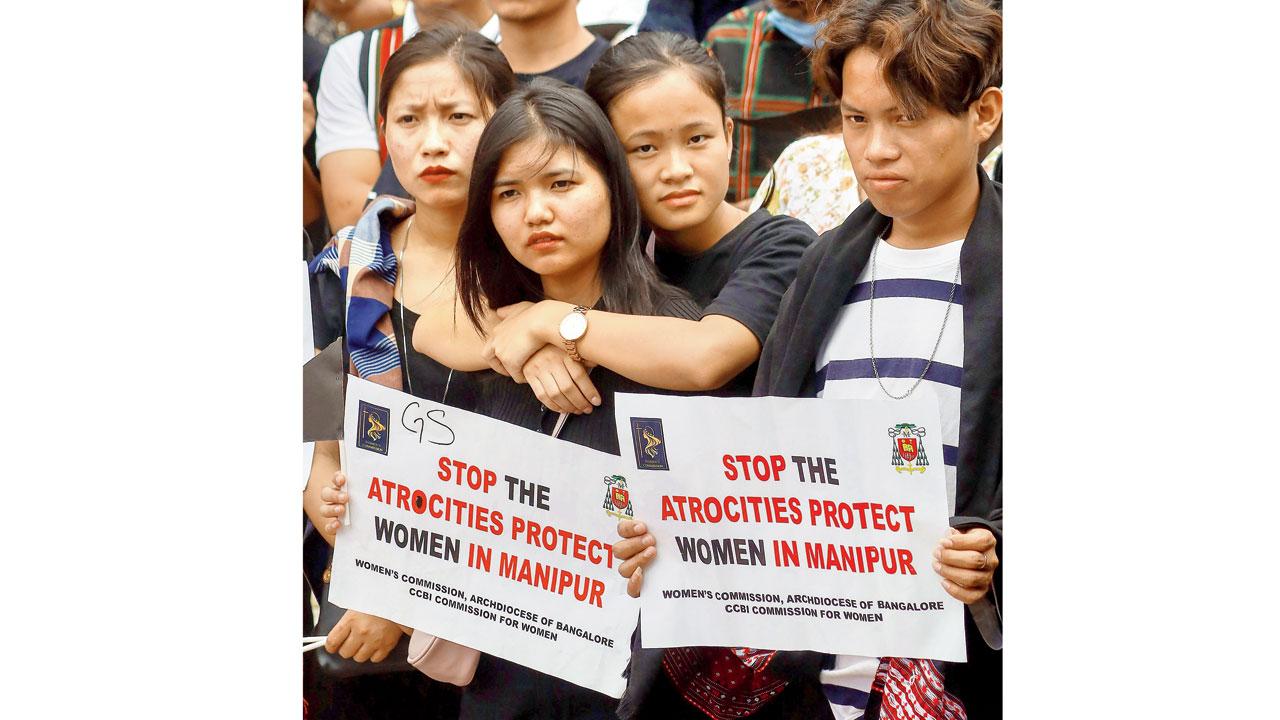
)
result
[(912, 287)]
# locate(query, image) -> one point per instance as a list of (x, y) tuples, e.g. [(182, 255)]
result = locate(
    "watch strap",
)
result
[(571, 346)]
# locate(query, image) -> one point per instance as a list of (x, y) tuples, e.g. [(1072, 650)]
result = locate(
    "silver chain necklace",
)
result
[(404, 329), (871, 325)]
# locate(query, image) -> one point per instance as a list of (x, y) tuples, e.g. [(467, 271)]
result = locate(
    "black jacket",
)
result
[(827, 272)]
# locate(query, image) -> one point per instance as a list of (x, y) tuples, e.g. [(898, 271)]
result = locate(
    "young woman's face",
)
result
[(907, 166), (434, 120), (553, 214), (677, 144)]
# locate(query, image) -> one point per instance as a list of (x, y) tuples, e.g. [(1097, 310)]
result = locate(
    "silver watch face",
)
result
[(573, 326)]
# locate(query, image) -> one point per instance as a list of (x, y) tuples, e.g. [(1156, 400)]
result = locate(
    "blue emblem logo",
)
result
[(650, 445), (372, 428)]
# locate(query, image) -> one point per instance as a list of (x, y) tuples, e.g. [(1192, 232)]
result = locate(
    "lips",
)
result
[(883, 182), (543, 241), (436, 173), (680, 198)]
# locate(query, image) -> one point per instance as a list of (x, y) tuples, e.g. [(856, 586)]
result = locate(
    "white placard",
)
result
[(792, 524), (483, 533)]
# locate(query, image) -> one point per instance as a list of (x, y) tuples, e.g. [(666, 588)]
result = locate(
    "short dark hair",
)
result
[(647, 55), (944, 53), (477, 57), (564, 117)]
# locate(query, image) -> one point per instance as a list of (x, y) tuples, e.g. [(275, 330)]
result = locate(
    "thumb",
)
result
[(635, 583)]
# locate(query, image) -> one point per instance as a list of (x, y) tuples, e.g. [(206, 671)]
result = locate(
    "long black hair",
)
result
[(647, 55), (563, 117)]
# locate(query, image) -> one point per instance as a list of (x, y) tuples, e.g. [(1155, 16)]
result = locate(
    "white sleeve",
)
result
[(342, 120)]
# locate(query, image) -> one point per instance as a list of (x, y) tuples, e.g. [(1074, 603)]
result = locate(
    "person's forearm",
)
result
[(346, 177), (450, 339), (312, 198), (324, 463), (343, 206), (666, 352), (466, 357), (360, 15)]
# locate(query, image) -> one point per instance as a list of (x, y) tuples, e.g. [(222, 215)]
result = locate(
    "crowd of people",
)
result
[(723, 192)]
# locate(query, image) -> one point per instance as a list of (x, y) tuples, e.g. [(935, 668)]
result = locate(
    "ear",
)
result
[(987, 112), (728, 136)]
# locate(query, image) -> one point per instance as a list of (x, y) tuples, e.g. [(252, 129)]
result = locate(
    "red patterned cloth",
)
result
[(723, 682), (912, 690)]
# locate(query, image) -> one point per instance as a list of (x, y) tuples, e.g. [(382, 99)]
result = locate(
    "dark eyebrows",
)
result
[(848, 109), (446, 105), (685, 128), (557, 172)]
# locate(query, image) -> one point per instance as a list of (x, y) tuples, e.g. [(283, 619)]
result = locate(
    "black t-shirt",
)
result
[(575, 71), (743, 276)]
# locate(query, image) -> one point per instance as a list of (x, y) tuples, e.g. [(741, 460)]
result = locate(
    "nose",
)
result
[(881, 145), (676, 169), (433, 139), (537, 211)]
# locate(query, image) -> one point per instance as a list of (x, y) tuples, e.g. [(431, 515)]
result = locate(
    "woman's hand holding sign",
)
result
[(358, 636), (335, 502), (362, 637), (967, 563), (636, 551)]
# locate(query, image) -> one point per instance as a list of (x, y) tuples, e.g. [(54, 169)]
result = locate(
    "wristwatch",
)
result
[(572, 328)]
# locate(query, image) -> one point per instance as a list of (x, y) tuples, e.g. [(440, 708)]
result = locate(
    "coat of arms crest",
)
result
[(617, 501), (908, 448)]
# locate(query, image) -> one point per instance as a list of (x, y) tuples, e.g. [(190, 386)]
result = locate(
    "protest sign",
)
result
[(485, 534), (792, 524)]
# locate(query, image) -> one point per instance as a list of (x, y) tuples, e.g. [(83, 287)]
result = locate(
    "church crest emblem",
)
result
[(908, 448), (617, 501)]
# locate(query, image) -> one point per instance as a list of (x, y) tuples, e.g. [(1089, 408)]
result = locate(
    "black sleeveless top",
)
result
[(428, 379)]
